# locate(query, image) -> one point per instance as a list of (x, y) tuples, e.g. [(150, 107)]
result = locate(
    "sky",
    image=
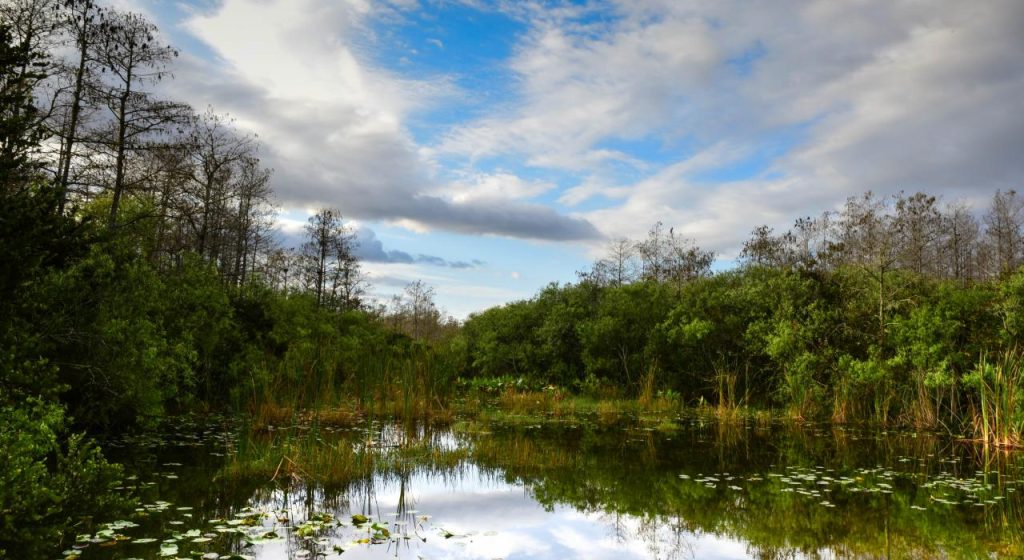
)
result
[(491, 147)]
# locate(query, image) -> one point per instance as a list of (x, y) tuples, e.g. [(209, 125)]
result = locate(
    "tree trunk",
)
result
[(122, 127), (64, 171)]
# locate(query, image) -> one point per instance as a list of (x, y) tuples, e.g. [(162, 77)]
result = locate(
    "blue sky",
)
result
[(491, 147)]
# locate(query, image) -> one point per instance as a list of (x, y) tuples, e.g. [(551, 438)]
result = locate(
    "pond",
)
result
[(690, 489)]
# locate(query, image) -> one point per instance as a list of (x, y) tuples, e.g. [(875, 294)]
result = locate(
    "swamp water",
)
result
[(559, 491)]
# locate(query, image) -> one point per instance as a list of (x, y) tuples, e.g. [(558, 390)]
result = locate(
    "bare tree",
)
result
[(167, 171), (1003, 223), (34, 32), (252, 216), (421, 317), (84, 23), (685, 261), (129, 51), (217, 149), (918, 223), (619, 266), (653, 251), (348, 282), (960, 243), (332, 270), (764, 248), (868, 239), (661, 257)]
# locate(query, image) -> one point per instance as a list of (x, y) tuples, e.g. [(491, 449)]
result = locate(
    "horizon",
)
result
[(491, 148)]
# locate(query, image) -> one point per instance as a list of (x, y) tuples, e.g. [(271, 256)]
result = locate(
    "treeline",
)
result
[(139, 250), (893, 310), (140, 275)]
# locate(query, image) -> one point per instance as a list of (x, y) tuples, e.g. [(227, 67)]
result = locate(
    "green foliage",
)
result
[(201, 323), (20, 125), (51, 479), (108, 312), (616, 339), (1011, 308), (838, 345), (996, 390)]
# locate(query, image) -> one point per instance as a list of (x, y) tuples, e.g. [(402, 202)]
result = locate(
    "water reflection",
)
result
[(704, 490)]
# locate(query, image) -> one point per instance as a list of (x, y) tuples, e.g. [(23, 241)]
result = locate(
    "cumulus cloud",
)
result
[(580, 88), (495, 186), (884, 95), (887, 95), (333, 124)]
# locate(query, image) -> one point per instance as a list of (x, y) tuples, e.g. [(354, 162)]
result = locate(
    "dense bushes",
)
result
[(51, 479), (816, 344)]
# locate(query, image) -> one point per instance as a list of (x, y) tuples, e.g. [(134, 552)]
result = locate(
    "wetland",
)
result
[(688, 488), (193, 365)]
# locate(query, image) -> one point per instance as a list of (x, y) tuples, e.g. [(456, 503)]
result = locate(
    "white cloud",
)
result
[(496, 186), (579, 89), (883, 94), (300, 74), (886, 95)]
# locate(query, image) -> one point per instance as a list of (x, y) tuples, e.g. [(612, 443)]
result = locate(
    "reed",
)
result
[(609, 412), (996, 409), (310, 455)]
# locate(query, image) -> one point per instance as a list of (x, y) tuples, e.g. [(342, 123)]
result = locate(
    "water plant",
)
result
[(996, 388)]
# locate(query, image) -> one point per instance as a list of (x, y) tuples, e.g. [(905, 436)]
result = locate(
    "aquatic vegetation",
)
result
[(780, 488), (329, 456), (997, 399)]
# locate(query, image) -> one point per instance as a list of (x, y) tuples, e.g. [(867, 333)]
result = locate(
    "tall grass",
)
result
[(389, 380), (996, 398), (311, 455)]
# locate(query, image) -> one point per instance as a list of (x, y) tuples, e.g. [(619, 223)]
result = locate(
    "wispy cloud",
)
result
[(300, 73), (888, 95), (605, 116), (370, 249)]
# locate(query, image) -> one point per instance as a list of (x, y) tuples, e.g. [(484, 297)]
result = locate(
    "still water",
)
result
[(578, 490)]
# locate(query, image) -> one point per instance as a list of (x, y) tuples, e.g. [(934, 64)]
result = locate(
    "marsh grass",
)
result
[(316, 385), (269, 413), (338, 417), (311, 455), (546, 402), (609, 412), (523, 453), (996, 410), (525, 407)]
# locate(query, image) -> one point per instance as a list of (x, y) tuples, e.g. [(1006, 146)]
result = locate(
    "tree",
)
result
[(618, 266), (34, 32), (614, 341), (422, 312), (253, 218), (1003, 222), (652, 253), (666, 257), (763, 248), (129, 51), (216, 149), (960, 243), (34, 29), (329, 261), (20, 129), (348, 283), (868, 240), (686, 261), (918, 223), (84, 22)]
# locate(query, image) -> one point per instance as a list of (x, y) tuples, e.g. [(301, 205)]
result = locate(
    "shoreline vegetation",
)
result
[(773, 485), (141, 279)]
